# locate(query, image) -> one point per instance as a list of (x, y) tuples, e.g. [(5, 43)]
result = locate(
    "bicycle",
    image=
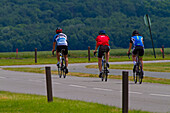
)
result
[(62, 65), (105, 70), (137, 69)]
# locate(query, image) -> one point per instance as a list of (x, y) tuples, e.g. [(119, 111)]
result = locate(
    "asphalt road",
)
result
[(147, 96)]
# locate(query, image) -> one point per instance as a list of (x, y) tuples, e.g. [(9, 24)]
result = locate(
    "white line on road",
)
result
[(56, 83), (103, 89), (135, 92), (2, 77), (162, 95), (35, 80), (77, 86)]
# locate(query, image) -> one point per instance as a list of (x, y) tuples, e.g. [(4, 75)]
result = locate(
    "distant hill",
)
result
[(29, 24)]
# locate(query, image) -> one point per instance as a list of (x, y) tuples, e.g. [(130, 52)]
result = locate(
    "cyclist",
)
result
[(61, 40), (137, 41), (102, 43)]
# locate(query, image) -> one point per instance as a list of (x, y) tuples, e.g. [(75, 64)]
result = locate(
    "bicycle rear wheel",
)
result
[(64, 68), (135, 74), (59, 71), (106, 74), (140, 75)]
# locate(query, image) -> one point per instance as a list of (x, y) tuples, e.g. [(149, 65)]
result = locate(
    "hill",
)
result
[(26, 24)]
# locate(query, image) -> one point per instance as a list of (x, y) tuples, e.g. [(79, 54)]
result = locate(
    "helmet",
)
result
[(58, 30), (135, 32), (102, 32)]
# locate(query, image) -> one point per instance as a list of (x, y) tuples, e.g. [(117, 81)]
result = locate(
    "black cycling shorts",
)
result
[(102, 49), (140, 49), (59, 48)]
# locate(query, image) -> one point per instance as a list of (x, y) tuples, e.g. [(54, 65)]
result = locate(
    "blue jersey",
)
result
[(137, 41), (60, 39)]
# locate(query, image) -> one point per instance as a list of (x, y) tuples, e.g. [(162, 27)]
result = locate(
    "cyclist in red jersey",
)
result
[(102, 43)]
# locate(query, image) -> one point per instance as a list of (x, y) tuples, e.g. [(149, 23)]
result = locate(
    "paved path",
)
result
[(147, 96), (80, 67)]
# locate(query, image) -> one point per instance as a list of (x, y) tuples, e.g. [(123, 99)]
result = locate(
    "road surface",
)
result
[(145, 97)]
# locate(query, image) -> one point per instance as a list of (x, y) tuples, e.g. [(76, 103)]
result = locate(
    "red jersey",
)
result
[(102, 40)]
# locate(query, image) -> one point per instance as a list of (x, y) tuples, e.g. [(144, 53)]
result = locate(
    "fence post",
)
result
[(125, 92), (163, 51), (49, 84), (35, 55), (88, 53), (16, 53)]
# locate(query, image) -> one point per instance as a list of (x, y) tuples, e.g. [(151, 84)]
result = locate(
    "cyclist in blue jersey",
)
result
[(137, 41), (60, 39)]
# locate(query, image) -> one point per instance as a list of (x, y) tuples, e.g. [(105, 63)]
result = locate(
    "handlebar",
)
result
[(129, 55), (53, 52), (95, 54)]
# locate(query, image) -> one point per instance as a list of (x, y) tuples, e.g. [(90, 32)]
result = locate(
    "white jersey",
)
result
[(61, 39)]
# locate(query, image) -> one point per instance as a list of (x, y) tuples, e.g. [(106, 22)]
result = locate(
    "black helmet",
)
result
[(102, 32), (135, 32)]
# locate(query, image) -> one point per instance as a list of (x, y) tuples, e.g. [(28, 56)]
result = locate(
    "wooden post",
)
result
[(49, 84), (125, 92), (163, 51), (16, 53), (88, 53), (35, 55)]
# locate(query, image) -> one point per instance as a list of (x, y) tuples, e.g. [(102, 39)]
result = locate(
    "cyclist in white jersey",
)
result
[(61, 40)]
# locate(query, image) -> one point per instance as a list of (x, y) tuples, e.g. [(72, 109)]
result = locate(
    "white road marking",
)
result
[(2, 77), (56, 83), (77, 86), (35, 80), (103, 89), (135, 92), (162, 95)]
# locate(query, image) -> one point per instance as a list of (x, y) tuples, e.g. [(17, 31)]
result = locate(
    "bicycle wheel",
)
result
[(106, 74), (59, 71), (64, 68), (103, 70), (140, 74), (135, 74)]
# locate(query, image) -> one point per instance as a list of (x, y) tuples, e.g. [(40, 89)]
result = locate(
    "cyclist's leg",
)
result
[(100, 53), (66, 57), (100, 64), (141, 60), (141, 53), (134, 52), (107, 53), (58, 53)]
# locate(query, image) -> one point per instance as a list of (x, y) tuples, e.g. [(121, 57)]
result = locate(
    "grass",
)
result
[(155, 67), (26, 103), (75, 56), (39, 70)]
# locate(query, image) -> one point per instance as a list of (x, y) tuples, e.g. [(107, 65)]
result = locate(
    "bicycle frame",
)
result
[(138, 69), (62, 66), (104, 68)]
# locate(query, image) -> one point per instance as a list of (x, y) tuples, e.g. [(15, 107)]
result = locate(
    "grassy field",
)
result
[(26, 103), (155, 67), (75, 56)]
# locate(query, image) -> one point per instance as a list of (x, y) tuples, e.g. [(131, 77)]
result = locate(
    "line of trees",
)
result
[(29, 24)]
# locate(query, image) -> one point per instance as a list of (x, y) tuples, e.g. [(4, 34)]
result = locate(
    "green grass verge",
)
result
[(39, 70), (155, 67), (75, 56), (26, 103)]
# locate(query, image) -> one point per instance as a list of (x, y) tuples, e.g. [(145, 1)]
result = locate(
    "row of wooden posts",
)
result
[(125, 88), (89, 53)]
